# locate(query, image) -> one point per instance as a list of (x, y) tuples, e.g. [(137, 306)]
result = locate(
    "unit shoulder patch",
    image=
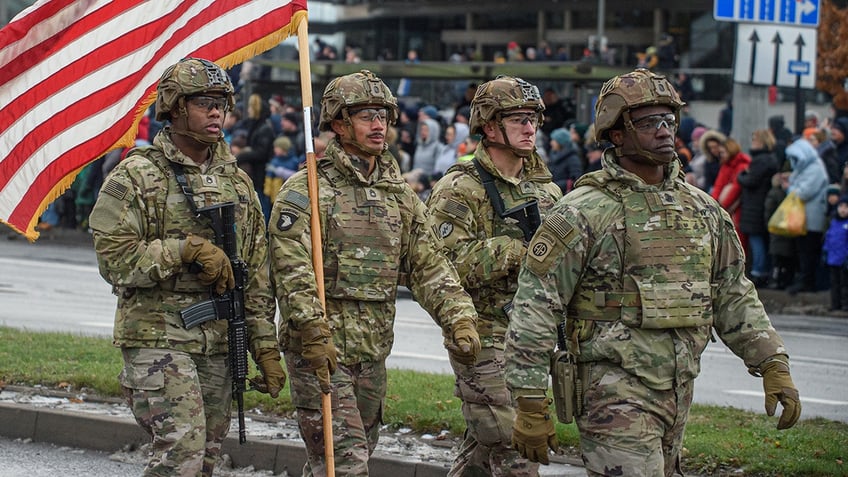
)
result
[(555, 235), (287, 220)]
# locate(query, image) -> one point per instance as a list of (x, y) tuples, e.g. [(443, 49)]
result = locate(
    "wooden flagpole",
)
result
[(315, 223)]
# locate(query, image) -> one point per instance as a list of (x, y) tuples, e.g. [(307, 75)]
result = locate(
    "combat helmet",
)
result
[(187, 77), (502, 94), (494, 99), (629, 91), (363, 87)]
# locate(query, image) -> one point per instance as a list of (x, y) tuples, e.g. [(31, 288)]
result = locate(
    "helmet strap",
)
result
[(524, 153)]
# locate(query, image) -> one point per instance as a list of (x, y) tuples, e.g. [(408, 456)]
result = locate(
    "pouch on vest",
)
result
[(363, 245), (668, 259)]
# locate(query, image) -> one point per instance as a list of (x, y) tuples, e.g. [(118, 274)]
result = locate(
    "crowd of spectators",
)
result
[(266, 136), (751, 185)]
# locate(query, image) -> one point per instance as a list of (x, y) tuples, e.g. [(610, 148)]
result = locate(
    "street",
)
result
[(58, 288)]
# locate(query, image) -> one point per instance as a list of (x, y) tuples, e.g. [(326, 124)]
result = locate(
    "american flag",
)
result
[(77, 75)]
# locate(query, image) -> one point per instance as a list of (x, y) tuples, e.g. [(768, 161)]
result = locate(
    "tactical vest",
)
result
[(667, 264), (170, 215), (362, 249)]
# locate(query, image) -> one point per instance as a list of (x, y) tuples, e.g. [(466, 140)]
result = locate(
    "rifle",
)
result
[(229, 306), (527, 217)]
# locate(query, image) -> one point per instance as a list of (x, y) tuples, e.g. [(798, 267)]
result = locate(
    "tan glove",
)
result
[(215, 265), (273, 377), (320, 352), (533, 431), (464, 342), (778, 386)]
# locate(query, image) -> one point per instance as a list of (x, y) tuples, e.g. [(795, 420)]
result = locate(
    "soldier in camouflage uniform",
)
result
[(374, 236), (641, 267), (487, 247), (146, 235)]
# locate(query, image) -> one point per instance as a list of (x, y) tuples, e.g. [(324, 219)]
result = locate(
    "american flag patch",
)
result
[(455, 209), (297, 199), (115, 189)]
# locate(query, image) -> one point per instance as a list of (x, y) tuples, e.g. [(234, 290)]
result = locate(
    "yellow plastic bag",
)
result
[(789, 220)]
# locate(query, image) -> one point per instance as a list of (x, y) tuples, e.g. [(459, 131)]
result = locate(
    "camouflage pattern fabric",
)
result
[(183, 401), (489, 412), (579, 249), (357, 404), (642, 426), (360, 281), (487, 251), (139, 219)]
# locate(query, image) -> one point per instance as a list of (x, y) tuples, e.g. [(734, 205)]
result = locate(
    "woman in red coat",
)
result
[(726, 189)]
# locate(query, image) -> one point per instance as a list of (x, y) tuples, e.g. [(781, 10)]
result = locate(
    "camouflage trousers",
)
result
[(357, 405), (628, 428), (487, 408), (183, 401)]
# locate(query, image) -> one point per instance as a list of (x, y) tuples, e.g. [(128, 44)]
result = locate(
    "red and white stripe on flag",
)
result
[(77, 75)]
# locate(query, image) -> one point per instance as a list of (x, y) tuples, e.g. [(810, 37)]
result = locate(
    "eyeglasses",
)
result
[(655, 121), (521, 119), (368, 115), (208, 102)]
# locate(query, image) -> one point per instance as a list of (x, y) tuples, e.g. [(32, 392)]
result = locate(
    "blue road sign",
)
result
[(799, 67), (784, 12)]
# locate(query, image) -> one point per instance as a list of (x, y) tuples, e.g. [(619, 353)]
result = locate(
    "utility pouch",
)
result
[(566, 386)]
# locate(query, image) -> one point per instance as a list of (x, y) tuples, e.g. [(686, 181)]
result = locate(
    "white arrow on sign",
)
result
[(805, 8), (764, 54)]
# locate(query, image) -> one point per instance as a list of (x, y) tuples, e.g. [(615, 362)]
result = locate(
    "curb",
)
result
[(110, 434)]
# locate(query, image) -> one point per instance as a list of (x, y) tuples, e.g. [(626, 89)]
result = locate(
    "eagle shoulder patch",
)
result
[(287, 220)]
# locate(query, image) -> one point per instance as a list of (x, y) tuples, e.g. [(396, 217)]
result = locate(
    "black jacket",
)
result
[(566, 167), (756, 182)]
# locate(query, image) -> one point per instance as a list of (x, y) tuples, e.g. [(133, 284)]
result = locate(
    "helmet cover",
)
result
[(363, 87), (629, 91), (502, 94), (188, 77)]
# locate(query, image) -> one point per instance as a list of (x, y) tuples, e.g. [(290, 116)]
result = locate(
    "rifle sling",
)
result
[(491, 190), (179, 174)]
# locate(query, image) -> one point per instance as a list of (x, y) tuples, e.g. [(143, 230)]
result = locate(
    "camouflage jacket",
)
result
[(138, 221), (578, 255), (394, 246), (486, 249)]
